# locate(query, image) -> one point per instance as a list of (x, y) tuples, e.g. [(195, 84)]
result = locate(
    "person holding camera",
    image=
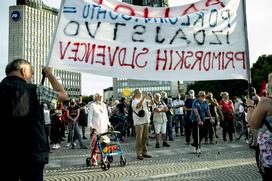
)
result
[(141, 122)]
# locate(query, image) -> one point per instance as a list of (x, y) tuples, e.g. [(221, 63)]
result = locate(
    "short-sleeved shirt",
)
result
[(159, 117), (202, 107), (140, 120), (73, 111), (46, 95), (188, 104), (178, 110)]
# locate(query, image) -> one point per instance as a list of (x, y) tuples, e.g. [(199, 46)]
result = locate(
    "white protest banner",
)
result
[(206, 41)]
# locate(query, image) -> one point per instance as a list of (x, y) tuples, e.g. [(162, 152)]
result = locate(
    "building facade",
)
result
[(31, 29), (120, 84)]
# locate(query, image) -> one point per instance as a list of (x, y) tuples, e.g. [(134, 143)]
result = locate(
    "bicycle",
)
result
[(241, 128)]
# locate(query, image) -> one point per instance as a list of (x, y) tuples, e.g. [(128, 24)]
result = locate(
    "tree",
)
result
[(233, 87), (260, 71), (87, 99)]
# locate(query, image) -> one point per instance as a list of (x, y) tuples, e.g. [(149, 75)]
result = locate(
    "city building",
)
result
[(125, 87), (31, 28), (108, 94)]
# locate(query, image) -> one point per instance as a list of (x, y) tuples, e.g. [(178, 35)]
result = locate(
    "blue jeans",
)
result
[(179, 123), (74, 132)]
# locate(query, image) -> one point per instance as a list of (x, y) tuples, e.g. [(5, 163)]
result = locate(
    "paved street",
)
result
[(221, 162)]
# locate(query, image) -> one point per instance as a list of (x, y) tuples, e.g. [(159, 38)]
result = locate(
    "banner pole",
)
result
[(246, 45), (52, 41)]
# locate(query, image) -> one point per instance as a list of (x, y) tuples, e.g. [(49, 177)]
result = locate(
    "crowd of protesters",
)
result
[(195, 116), (165, 117)]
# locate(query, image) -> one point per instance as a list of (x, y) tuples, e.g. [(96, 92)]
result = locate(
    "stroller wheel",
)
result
[(110, 159), (105, 166), (88, 160), (123, 161)]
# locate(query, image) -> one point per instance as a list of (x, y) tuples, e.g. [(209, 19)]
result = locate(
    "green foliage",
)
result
[(260, 71), (87, 99), (233, 87)]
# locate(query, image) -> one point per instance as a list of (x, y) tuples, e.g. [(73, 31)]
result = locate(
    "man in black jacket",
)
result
[(23, 128)]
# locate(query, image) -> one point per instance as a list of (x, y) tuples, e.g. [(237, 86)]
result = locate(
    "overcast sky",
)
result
[(259, 18)]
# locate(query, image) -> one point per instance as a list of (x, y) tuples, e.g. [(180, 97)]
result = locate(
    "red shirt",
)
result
[(226, 106)]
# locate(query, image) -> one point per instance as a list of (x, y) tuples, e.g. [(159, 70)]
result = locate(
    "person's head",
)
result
[(72, 103), (252, 91), (97, 97), (191, 93), (123, 100), (224, 95), (116, 102), (163, 94), (137, 93), (209, 95), (45, 106), (79, 99), (178, 97), (202, 95), (157, 97), (20, 68)]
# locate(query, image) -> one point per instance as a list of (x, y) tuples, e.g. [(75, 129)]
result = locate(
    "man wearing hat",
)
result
[(199, 109)]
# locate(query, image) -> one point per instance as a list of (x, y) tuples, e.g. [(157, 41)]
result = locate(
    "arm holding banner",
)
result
[(62, 95)]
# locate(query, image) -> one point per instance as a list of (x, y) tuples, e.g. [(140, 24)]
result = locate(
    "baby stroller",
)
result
[(107, 148)]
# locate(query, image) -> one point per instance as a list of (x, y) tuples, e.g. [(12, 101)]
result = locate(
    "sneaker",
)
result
[(194, 150), (84, 137), (58, 145), (68, 144), (165, 144), (247, 142), (74, 144), (54, 147), (157, 145), (177, 135), (198, 151), (94, 163), (140, 157)]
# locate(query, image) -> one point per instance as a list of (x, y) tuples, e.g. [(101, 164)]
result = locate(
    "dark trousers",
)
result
[(169, 125), (26, 172), (228, 127), (179, 123), (198, 136), (208, 127), (188, 127)]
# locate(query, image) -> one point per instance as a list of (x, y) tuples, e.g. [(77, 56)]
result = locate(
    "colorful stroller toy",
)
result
[(107, 145)]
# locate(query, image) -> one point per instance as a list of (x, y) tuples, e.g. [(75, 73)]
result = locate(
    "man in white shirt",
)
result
[(178, 106), (98, 119), (141, 123)]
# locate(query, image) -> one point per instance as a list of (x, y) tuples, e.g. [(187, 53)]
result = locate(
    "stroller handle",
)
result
[(109, 132)]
